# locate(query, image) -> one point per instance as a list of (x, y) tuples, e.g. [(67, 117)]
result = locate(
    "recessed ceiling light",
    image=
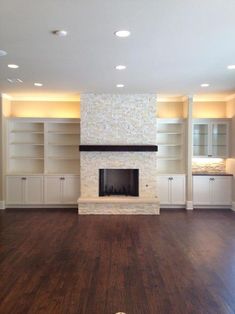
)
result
[(205, 85), (122, 33), (120, 67), (120, 85), (13, 66), (60, 32), (120, 313), (38, 84), (231, 67), (2, 53), (13, 80)]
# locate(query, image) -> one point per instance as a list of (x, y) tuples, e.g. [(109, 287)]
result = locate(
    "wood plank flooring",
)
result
[(54, 261)]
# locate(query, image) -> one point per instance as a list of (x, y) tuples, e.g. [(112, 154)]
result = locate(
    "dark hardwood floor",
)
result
[(54, 261)]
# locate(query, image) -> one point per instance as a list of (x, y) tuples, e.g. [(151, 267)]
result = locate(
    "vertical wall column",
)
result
[(1, 154), (189, 186), (5, 111), (230, 163)]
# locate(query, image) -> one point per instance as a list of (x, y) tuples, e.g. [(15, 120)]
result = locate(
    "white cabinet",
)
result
[(212, 190), (211, 138), (22, 190), (61, 189), (171, 189)]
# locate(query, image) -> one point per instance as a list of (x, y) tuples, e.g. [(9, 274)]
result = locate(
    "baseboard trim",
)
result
[(2, 205), (43, 206), (189, 205), (213, 206), (233, 206), (165, 206)]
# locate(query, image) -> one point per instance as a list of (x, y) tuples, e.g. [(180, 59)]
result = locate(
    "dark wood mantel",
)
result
[(118, 148)]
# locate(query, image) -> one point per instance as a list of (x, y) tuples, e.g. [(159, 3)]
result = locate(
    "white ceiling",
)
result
[(175, 45)]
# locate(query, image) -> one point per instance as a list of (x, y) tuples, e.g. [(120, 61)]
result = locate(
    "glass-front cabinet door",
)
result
[(210, 138), (219, 139), (201, 140)]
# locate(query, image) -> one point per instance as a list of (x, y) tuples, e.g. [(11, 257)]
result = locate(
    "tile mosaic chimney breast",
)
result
[(118, 154)]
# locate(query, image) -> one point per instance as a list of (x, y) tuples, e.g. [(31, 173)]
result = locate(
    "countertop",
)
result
[(211, 174)]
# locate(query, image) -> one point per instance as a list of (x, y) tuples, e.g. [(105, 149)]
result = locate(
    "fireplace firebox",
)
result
[(119, 182)]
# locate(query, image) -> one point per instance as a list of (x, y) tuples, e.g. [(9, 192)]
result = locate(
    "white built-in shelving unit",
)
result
[(42, 161), (171, 146), (25, 147), (62, 141)]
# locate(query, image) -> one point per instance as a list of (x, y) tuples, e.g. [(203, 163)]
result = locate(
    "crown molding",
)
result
[(171, 98), (230, 97), (6, 96), (49, 97)]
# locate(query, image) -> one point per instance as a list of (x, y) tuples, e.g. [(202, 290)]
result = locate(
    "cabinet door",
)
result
[(201, 140), (15, 190), (53, 190), (34, 190), (219, 139), (221, 192), (178, 190), (202, 190), (163, 189), (71, 189)]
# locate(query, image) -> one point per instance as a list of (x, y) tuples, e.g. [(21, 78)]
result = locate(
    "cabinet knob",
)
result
[(62, 178), (170, 178), (212, 179), (23, 178)]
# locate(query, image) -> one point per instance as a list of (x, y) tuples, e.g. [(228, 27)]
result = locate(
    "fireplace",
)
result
[(118, 182)]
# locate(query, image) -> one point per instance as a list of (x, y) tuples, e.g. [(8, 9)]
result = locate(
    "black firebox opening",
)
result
[(119, 182)]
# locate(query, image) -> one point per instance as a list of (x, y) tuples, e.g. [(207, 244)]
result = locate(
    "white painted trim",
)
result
[(6, 96), (172, 207), (213, 206), (233, 206), (65, 98), (210, 97), (189, 205), (166, 98), (230, 97), (43, 206), (2, 205)]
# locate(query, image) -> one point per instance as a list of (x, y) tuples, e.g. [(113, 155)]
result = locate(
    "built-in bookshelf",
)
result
[(25, 147), (62, 141), (171, 146), (43, 146)]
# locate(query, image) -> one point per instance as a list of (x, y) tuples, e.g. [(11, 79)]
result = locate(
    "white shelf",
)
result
[(26, 157), (24, 143), (168, 133), (64, 158), (63, 144), (168, 158), (26, 131), (168, 144), (62, 133)]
